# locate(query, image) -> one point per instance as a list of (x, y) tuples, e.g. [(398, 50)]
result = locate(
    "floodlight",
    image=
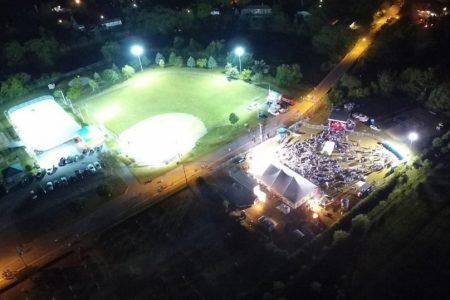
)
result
[(239, 51), (137, 50), (413, 136)]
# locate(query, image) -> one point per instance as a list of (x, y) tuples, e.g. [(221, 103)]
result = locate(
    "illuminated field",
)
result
[(162, 139), (206, 95)]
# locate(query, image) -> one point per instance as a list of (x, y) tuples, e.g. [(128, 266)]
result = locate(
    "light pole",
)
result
[(137, 50), (412, 137), (239, 51)]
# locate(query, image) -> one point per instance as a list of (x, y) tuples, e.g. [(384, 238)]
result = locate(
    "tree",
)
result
[(339, 236), (202, 62), (336, 96), (13, 53), (178, 42), (386, 82), (360, 224), (93, 84), (246, 74), (145, 61), (233, 118), (203, 10), (439, 98), (75, 88), (111, 51), (260, 67), (44, 51), (212, 63), (288, 74), (231, 71), (215, 48), (97, 77), (190, 62), (179, 61), (13, 87), (416, 82), (332, 40), (110, 76), (128, 71), (172, 58), (280, 21), (158, 58)]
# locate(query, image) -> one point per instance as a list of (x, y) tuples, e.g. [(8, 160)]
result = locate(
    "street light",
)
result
[(412, 137), (239, 51), (137, 50)]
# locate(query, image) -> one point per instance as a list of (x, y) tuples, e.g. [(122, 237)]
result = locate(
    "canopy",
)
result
[(291, 186)]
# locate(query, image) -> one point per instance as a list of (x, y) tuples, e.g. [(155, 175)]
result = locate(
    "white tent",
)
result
[(292, 187), (328, 148)]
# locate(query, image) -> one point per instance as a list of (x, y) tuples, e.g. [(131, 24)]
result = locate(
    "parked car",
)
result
[(253, 105), (267, 223), (79, 174), (62, 162), (90, 168), (64, 180), (33, 195), (56, 183), (262, 115), (375, 127), (298, 233), (49, 186), (97, 165)]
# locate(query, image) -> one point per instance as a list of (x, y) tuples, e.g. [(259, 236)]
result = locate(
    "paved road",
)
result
[(140, 196)]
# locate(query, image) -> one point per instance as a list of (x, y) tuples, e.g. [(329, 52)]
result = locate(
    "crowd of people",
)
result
[(348, 163)]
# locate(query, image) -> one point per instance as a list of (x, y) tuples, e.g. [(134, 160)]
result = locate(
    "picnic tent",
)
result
[(293, 188)]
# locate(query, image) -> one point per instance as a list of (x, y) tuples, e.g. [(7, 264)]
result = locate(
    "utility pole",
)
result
[(261, 132), (20, 251)]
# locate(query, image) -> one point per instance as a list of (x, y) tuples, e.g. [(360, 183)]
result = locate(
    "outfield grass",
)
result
[(205, 94), (202, 93)]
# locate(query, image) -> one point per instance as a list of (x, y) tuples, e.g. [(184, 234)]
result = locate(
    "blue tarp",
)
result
[(393, 150)]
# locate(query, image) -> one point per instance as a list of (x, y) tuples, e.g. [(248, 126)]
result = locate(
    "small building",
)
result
[(111, 23), (215, 12), (12, 174), (256, 11), (338, 119)]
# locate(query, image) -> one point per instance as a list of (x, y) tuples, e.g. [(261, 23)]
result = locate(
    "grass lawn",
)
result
[(206, 94)]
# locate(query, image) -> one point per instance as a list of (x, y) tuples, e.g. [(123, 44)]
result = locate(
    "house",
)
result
[(215, 12), (256, 11)]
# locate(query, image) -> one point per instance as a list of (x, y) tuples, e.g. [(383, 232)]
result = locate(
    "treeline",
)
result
[(421, 85)]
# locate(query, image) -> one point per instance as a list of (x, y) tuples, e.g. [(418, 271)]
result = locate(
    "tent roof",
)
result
[(287, 183)]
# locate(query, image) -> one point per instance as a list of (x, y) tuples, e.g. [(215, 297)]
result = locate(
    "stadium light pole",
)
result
[(412, 137), (137, 50), (239, 51)]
